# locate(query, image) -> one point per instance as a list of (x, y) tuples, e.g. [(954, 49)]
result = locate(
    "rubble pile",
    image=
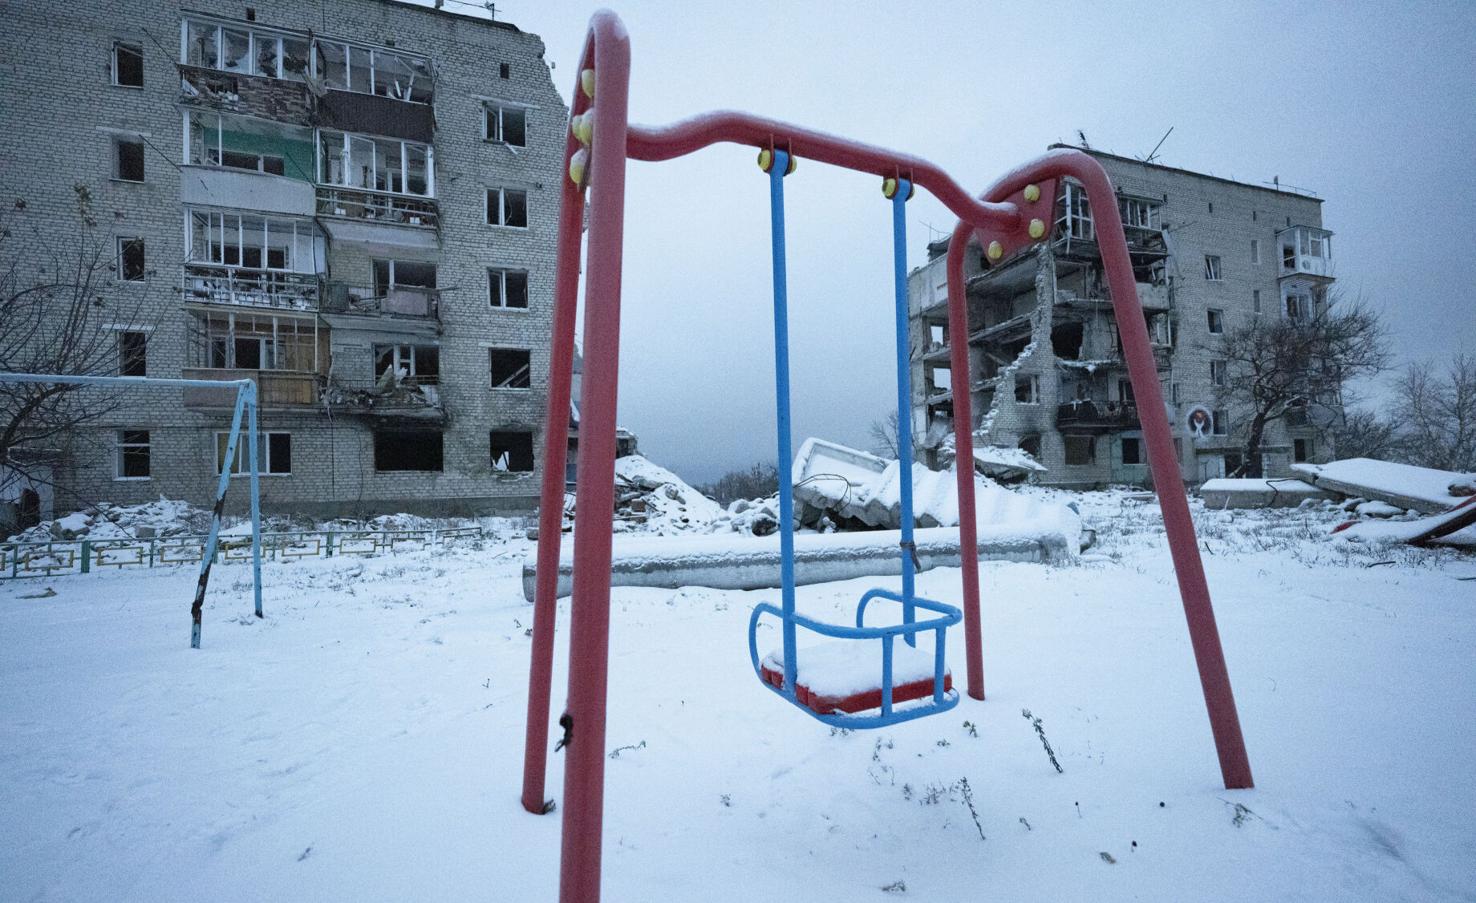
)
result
[(151, 520), (649, 498)]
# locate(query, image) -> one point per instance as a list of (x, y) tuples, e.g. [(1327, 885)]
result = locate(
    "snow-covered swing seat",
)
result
[(861, 676)]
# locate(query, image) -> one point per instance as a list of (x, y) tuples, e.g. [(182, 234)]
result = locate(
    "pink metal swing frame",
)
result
[(1006, 214)]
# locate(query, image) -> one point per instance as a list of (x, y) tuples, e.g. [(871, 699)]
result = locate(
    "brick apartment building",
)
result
[(353, 203), (1049, 378)]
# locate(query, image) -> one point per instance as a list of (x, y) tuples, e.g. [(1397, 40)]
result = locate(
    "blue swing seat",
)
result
[(834, 684)]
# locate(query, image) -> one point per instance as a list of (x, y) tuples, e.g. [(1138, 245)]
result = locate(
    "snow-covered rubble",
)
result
[(157, 519), (652, 498)]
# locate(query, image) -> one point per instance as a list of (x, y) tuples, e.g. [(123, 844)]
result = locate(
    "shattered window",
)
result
[(1217, 373), (133, 354), (413, 450), (1080, 450), (273, 453), (128, 159), (235, 50), (1027, 389), (1216, 321), (506, 124), (132, 455), (128, 66), (508, 288), (1212, 267), (1132, 450), (507, 207), (131, 259), (510, 368), (202, 44), (512, 451)]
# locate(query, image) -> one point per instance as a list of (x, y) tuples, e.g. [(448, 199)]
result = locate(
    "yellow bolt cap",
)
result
[(889, 188), (1037, 228), (587, 82), (1032, 193), (577, 164), (583, 126), (765, 160), (996, 250)]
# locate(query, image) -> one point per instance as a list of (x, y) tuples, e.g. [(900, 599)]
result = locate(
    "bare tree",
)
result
[(63, 306), (885, 439), (1439, 414), (1367, 433), (1279, 365), (757, 482)]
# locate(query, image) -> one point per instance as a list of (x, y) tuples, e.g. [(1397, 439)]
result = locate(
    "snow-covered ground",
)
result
[(364, 741)]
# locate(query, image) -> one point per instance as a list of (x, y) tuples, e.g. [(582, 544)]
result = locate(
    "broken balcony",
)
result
[(391, 399), (381, 220), (412, 302), (1306, 251), (1103, 415), (281, 353), (250, 288), (258, 96)]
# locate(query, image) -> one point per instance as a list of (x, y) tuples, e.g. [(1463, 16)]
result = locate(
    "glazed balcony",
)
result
[(275, 388), (240, 287)]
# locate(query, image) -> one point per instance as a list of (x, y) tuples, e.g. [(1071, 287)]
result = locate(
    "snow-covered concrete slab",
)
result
[(1258, 493), (733, 561), (1422, 488)]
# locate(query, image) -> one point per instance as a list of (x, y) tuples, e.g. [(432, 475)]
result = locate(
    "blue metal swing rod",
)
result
[(779, 167)]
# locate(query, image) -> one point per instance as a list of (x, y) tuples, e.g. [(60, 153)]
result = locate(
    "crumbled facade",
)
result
[(353, 203), (1048, 373)]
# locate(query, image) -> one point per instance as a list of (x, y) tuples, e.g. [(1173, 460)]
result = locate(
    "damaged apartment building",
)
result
[(353, 203), (1048, 374)]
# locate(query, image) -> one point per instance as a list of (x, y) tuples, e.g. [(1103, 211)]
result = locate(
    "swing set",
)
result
[(829, 680)]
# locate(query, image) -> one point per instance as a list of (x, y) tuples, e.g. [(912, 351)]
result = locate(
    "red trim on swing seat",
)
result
[(862, 701)]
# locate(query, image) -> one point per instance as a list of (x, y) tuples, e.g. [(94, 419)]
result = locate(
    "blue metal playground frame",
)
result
[(245, 410), (942, 700)]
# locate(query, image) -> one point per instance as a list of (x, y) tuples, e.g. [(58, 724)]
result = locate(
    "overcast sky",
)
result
[(1370, 105)]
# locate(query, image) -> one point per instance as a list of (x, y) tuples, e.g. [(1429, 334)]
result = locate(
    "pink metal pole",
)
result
[(963, 446), (1163, 461), (551, 500), (589, 646)]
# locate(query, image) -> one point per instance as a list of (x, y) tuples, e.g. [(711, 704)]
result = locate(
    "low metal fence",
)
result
[(51, 558)]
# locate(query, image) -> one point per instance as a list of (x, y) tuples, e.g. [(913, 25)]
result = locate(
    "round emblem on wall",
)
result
[(1198, 421)]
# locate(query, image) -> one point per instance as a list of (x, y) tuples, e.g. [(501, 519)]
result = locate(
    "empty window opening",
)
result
[(1298, 306), (414, 274), (133, 354), (1030, 444), (1066, 340), (128, 159), (1219, 423), (1027, 388), (506, 124), (510, 368), (376, 164), (1256, 300), (1212, 267), (940, 379), (1174, 392), (274, 453), (504, 70), (1216, 321), (366, 70), (1255, 250), (512, 451), (128, 70), (1125, 390), (418, 450), (416, 365), (247, 342), (507, 207), (1217, 372), (1132, 450), (508, 288), (1080, 450), (131, 259), (1301, 450), (132, 455)]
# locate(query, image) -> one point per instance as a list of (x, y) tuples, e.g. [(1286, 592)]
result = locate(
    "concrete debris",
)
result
[(1286, 492), (1422, 489)]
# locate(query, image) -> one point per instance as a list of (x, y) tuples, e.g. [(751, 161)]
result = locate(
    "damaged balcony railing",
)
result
[(250, 288), (395, 300), (52, 558), (378, 206), (1103, 414)]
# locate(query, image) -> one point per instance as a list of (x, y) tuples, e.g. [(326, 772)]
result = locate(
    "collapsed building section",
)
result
[(1050, 387)]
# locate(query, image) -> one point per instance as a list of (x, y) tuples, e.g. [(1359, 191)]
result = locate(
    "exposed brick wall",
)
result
[(55, 122)]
